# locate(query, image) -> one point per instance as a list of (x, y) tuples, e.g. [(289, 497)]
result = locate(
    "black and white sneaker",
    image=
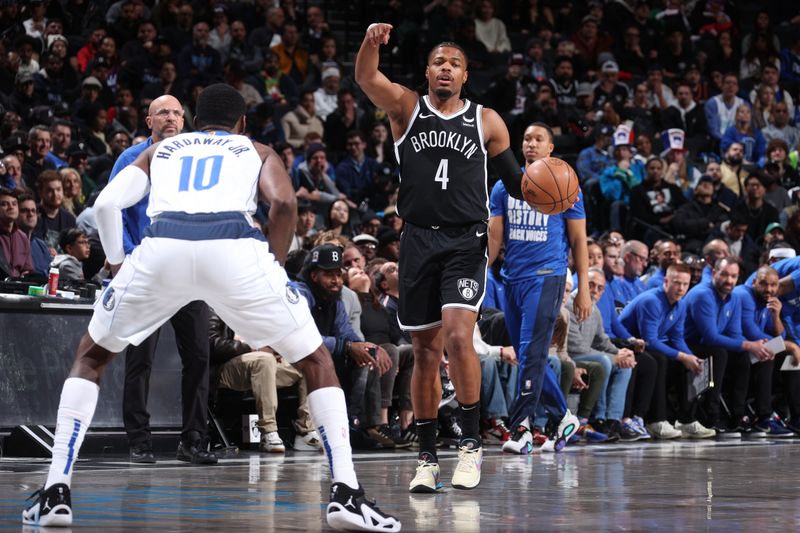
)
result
[(349, 510), (52, 507)]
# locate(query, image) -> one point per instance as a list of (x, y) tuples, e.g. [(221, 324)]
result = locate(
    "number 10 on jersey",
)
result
[(441, 174), (206, 172)]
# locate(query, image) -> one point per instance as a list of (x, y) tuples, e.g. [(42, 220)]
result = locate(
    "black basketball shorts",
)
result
[(440, 268)]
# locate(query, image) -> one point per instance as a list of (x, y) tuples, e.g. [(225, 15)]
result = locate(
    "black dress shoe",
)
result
[(195, 453), (143, 454)]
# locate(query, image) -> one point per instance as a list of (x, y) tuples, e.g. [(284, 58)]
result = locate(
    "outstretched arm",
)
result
[(275, 187), (396, 100)]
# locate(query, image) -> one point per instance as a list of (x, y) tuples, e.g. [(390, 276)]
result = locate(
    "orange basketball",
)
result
[(550, 185)]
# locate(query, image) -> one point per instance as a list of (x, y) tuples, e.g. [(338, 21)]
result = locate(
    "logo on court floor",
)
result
[(468, 288), (108, 299), (291, 293)]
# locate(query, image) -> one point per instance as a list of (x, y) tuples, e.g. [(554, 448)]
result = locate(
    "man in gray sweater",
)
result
[(587, 341)]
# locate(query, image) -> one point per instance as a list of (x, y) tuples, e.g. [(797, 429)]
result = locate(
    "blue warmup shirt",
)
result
[(624, 290), (757, 321), (524, 227), (134, 218), (713, 321), (656, 280), (56, 161), (708, 275), (611, 324), (651, 317)]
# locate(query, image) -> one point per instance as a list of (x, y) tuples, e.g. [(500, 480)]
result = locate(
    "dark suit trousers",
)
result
[(191, 332)]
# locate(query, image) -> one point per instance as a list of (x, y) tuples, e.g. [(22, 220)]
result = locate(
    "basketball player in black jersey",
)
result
[(444, 144)]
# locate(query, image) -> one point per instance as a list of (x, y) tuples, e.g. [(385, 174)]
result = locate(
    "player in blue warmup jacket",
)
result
[(626, 287), (657, 316), (770, 324), (534, 271), (761, 319), (714, 330), (666, 254)]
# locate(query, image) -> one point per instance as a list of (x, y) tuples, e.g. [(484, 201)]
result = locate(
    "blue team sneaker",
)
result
[(773, 427)]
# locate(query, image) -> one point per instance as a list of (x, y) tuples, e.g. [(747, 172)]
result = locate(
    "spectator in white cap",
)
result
[(609, 89), (326, 96), (617, 181), (679, 170)]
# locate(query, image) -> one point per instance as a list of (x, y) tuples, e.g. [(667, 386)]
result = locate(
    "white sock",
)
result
[(329, 412), (75, 412), (526, 422)]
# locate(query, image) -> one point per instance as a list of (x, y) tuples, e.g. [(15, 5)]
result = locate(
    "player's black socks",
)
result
[(426, 432), (470, 422)]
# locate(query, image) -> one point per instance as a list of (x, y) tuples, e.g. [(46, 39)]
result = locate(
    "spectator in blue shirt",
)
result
[(743, 131), (714, 331), (790, 61), (657, 316), (628, 286), (354, 173), (593, 160)]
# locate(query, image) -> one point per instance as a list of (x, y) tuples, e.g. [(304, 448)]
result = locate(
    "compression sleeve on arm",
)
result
[(507, 167), (129, 186)]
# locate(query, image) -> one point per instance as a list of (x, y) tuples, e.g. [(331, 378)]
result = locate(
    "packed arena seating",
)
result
[(679, 116)]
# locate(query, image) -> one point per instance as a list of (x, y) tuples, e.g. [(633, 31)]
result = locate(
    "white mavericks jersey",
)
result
[(204, 172)]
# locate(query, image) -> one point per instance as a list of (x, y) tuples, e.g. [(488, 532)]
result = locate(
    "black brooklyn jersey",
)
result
[(443, 167)]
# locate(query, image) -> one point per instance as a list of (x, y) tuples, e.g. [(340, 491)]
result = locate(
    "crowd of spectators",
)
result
[(679, 116)]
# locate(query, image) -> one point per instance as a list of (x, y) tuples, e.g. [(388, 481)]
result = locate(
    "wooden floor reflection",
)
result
[(680, 486)]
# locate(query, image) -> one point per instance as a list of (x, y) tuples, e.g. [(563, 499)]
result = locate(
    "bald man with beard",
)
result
[(165, 120)]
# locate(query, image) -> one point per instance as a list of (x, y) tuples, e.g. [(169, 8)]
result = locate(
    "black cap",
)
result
[(387, 236), (368, 216), (705, 177), (14, 142), (325, 257), (78, 148), (313, 149), (100, 61), (304, 206)]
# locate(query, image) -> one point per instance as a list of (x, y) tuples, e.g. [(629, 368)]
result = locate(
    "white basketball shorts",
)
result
[(239, 278)]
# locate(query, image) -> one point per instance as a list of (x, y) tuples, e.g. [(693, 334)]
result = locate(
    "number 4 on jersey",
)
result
[(441, 174)]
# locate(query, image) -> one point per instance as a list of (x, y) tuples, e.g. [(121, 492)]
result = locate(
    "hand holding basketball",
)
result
[(550, 185)]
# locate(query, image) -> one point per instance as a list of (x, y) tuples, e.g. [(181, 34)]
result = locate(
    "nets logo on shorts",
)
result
[(291, 293), (468, 288), (108, 299)]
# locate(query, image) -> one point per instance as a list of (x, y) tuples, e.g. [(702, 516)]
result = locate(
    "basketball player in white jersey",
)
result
[(201, 245)]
